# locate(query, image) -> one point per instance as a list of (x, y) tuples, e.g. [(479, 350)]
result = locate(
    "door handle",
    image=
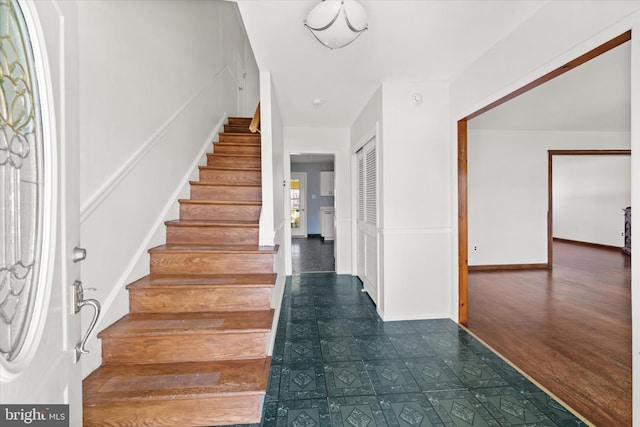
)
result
[(78, 302)]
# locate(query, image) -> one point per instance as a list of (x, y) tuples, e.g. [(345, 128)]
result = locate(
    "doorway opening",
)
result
[(463, 182), (312, 213), (570, 297)]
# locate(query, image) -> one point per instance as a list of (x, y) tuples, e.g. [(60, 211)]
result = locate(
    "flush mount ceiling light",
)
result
[(337, 23)]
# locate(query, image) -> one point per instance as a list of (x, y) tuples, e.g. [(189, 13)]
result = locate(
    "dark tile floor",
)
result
[(312, 255), (335, 363)]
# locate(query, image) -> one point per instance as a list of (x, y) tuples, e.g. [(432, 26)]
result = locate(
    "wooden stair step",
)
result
[(230, 175), (226, 191), (236, 129), (234, 160), (236, 149), (225, 292), (239, 137), (215, 209), (186, 337), (239, 121), (249, 143), (203, 232), (221, 259), (184, 394)]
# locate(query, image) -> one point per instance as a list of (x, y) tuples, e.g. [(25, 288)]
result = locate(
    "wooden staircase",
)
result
[(192, 350)]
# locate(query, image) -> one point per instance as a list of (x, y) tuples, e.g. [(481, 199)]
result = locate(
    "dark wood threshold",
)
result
[(593, 245), (505, 267)]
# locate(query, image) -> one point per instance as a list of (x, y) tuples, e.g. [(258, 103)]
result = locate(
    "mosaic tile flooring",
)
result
[(335, 363), (312, 254)]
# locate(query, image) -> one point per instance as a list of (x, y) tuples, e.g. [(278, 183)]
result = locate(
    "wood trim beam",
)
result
[(589, 152), (506, 267), (613, 43), (463, 237)]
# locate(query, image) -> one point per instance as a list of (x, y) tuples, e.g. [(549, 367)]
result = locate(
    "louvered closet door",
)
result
[(367, 218)]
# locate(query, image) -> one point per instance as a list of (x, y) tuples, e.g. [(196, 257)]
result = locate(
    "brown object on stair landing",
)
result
[(192, 350)]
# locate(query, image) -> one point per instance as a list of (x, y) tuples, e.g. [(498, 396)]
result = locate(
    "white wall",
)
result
[(416, 220), (508, 190), (156, 82), (414, 197), (589, 195), (324, 141), (540, 45)]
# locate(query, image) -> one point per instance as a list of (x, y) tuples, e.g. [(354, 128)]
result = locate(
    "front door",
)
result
[(39, 197)]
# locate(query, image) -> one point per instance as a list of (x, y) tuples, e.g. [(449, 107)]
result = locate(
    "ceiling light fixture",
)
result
[(337, 23)]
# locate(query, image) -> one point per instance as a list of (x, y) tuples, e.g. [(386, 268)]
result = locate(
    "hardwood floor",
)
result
[(569, 329)]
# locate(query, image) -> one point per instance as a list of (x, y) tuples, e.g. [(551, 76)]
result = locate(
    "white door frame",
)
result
[(287, 206), (302, 230)]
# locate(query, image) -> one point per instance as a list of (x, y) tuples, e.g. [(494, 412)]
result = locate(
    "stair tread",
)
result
[(216, 249), (232, 143), (244, 156), (231, 168), (210, 281), (162, 324), (221, 202), (212, 223), (138, 382), (225, 184), (257, 135)]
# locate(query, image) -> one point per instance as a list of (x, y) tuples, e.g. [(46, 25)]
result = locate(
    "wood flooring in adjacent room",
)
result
[(569, 329)]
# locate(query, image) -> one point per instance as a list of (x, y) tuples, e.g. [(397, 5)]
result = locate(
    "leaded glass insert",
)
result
[(20, 180)]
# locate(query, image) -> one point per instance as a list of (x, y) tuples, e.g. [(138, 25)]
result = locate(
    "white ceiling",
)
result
[(422, 40), (595, 96), (407, 40)]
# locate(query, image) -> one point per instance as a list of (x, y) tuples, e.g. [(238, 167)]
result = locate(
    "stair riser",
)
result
[(237, 129), (231, 176), (183, 348), (193, 300), (221, 212), (253, 150), (212, 235), (239, 121), (221, 410), (234, 161), (252, 137), (229, 193), (210, 263)]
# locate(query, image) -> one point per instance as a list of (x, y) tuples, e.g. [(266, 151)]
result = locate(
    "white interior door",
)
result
[(40, 206), (367, 218), (298, 199)]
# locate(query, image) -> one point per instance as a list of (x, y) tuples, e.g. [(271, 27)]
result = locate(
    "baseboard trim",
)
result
[(593, 245), (506, 267)]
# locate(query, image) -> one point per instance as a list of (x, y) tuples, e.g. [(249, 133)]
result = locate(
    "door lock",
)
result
[(79, 254)]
